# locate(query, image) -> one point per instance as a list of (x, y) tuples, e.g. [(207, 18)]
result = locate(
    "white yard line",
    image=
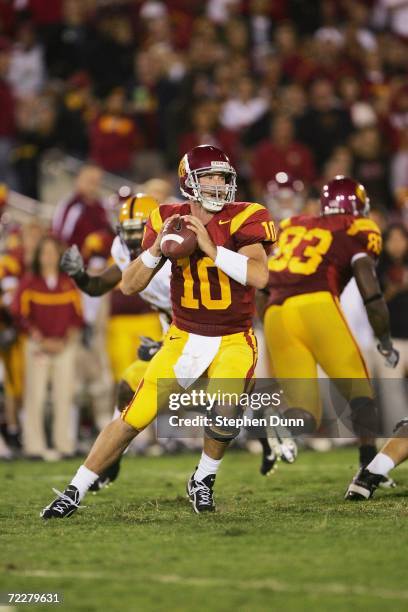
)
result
[(270, 584)]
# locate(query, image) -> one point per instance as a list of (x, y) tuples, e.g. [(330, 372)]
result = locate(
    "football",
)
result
[(178, 241)]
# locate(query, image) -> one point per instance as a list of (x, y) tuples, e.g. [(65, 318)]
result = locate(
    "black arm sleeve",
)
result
[(98, 285), (370, 290)]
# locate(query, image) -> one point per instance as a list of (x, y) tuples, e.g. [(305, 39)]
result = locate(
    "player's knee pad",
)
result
[(364, 418), (124, 395), (304, 422), (224, 423)]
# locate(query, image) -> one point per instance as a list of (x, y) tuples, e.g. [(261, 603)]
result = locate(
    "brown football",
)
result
[(178, 241)]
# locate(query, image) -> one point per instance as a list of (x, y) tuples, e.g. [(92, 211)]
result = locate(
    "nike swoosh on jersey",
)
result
[(175, 337), (222, 222)]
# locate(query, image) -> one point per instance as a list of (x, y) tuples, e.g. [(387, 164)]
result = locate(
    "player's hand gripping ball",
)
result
[(177, 240)]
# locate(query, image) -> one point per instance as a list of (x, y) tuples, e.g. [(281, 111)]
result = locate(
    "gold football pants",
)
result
[(310, 330), (235, 359)]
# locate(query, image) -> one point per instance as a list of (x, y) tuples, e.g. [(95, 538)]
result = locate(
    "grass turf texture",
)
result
[(286, 542)]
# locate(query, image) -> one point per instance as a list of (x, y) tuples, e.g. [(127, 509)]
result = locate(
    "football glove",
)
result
[(148, 348), (120, 253), (390, 354), (72, 262), (400, 424)]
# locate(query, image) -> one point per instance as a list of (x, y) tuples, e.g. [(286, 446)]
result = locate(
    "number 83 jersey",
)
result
[(317, 253), (205, 300)]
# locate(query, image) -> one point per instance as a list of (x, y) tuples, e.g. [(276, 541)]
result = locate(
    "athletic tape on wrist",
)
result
[(235, 265), (149, 260)]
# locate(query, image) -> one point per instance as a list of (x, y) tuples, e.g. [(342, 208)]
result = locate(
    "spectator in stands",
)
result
[(371, 164), (281, 153), (287, 46), (340, 163), (399, 166), (160, 189), (82, 212), (206, 130), (77, 109), (324, 126), (67, 41), (26, 71), (114, 136), (110, 51), (7, 118), (260, 25), (245, 107), (47, 307), (36, 122)]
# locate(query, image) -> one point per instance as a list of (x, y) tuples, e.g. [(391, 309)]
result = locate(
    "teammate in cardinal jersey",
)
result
[(213, 300), (133, 215), (304, 323)]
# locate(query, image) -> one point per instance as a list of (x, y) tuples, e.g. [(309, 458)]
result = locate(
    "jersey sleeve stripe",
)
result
[(156, 220), (243, 216), (363, 225)]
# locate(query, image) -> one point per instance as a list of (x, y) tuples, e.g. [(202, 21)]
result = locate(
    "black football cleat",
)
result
[(66, 504), (363, 485), (200, 493), (269, 460), (276, 449), (107, 477)]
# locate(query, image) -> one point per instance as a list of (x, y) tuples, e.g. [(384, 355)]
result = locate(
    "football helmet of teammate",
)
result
[(133, 215), (202, 161), (344, 195), (284, 196)]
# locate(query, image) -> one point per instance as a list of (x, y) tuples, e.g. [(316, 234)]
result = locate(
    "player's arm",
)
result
[(257, 265), (140, 272), (72, 264), (377, 311), (248, 266)]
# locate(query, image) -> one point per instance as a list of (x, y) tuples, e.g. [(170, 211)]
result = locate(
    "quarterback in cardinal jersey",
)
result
[(213, 302), (304, 323)]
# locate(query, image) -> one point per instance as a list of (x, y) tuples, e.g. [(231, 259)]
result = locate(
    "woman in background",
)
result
[(47, 307)]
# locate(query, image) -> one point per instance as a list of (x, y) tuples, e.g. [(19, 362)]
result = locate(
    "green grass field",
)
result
[(287, 542)]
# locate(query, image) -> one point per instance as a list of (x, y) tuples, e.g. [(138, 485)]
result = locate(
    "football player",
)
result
[(20, 246), (285, 196), (213, 300), (304, 323), (369, 478), (133, 215)]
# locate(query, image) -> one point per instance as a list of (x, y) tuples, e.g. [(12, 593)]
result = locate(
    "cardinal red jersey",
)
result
[(316, 254), (205, 300)]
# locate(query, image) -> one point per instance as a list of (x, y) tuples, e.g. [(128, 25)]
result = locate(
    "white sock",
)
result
[(116, 413), (381, 464), (206, 467), (83, 479)]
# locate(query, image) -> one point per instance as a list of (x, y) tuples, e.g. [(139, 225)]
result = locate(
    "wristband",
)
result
[(233, 264), (149, 260), (374, 298), (385, 344), (81, 278)]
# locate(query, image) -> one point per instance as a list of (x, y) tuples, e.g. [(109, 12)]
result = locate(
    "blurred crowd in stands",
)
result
[(310, 88), (294, 91)]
